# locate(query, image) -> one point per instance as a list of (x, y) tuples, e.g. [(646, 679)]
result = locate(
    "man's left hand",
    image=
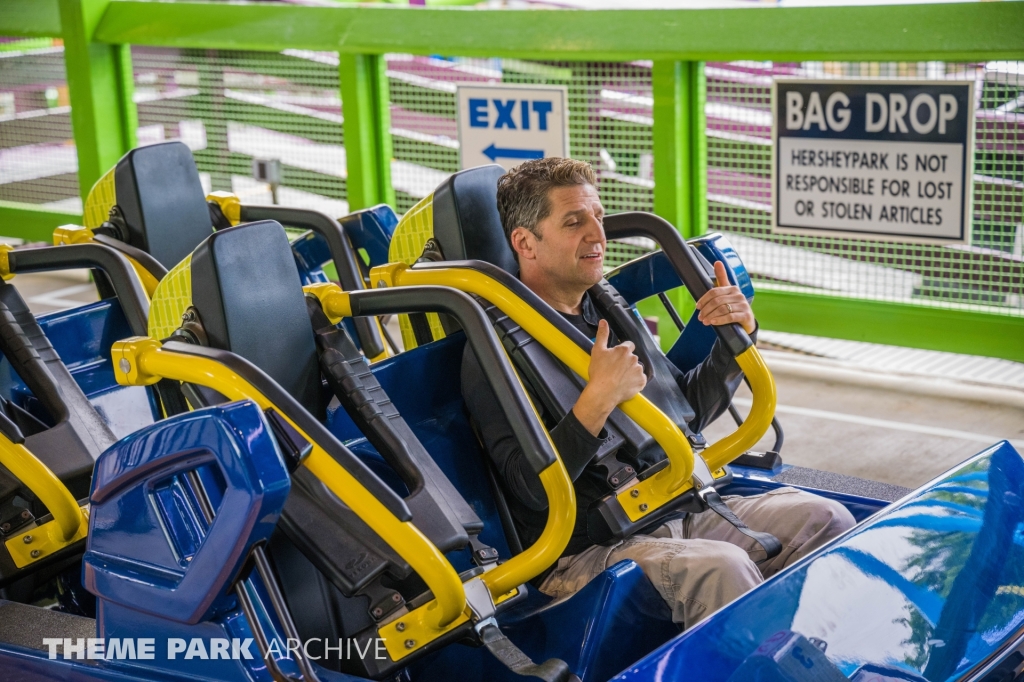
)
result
[(725, 303)]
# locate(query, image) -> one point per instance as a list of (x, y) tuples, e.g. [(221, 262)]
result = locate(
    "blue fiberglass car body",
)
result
[(927, 589), (929, 586)]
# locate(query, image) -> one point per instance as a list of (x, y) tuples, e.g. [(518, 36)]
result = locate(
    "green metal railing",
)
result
[(660, 103)]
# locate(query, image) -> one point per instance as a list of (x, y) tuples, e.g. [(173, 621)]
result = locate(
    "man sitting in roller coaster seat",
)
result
[(552, 217)]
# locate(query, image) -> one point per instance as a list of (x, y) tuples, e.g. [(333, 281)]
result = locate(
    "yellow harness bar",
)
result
[(555, 479), (70, 522), (648, 495), (76, 234), (141, 361)]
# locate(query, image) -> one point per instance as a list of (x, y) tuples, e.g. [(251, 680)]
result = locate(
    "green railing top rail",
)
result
[(30, 18), (958, 31)]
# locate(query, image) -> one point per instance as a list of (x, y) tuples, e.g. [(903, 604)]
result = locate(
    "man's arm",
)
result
[(615, 376), (709, 386), (576, 446)]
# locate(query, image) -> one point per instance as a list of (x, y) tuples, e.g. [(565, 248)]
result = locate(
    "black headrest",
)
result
[(246, 287), (162, 201), (466, 221)]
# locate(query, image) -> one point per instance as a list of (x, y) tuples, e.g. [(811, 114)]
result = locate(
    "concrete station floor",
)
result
[(892, 436), (900, 429)]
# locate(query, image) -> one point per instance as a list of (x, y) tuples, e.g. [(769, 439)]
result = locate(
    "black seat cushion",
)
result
[(467, 225), (246, 287), (162, 201)]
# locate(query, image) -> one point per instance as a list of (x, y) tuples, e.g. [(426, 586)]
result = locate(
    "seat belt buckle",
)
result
[(702, 478), (478, 598), (702, 493)]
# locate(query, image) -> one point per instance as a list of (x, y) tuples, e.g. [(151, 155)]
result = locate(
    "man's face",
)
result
[(569, 254)]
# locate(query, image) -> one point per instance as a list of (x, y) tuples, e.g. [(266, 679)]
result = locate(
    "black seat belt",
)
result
[(768, 542)]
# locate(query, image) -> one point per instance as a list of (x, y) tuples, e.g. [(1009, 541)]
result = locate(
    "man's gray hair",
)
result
[(523, 191)]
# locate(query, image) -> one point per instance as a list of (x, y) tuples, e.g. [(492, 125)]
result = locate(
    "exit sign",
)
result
[(510, 124)]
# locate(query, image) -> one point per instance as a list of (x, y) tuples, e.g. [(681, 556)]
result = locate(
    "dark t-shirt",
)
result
[(707, 388)]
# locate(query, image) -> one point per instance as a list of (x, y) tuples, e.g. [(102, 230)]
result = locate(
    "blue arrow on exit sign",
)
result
[(494, 153)]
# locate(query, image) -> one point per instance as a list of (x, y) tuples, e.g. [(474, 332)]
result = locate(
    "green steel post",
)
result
[(696, 100), (670, 143), (680, 152), (680, 147), (367, 126), (103, 115)]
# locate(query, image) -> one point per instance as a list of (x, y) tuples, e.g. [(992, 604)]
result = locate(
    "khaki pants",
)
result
[(701, 562)]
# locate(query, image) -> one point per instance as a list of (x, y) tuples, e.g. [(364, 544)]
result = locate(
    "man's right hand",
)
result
[(616, 375)]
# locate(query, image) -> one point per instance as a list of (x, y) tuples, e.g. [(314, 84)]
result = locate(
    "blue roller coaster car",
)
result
[(199, 484)]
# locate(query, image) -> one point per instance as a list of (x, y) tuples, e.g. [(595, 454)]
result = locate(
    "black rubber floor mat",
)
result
[(26, 626), (839, 483)]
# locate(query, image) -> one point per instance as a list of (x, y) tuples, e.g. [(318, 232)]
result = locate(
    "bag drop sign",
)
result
[(879, 159), (510, 124)]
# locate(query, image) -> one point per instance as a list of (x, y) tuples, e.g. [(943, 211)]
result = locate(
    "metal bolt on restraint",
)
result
[(27, 539), (643, 507), (396, 598), (410, 643), (615, 481), (5, 527), (125, 365), (35, 553), (26, 514), (378, 612), (634, 493), (400, 626)]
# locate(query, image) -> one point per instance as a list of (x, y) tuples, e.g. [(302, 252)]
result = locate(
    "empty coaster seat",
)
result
[(152, 201), (240, 291), (54, 424), (261, 315), (43, 403), (151, 207)]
